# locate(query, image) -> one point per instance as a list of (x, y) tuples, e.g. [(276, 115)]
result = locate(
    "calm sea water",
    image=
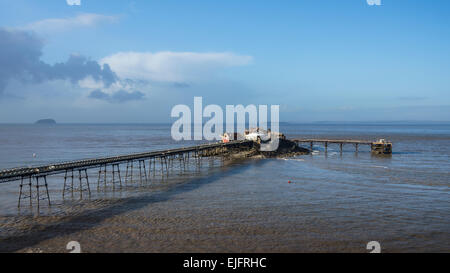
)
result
[(335, 202)]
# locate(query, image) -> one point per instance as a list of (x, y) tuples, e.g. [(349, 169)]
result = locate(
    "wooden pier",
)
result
[(377, 147)]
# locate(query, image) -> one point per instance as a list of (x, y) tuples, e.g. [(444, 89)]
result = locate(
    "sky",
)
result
[(131, 61)]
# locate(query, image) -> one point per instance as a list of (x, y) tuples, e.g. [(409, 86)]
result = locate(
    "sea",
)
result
[(326, 201)]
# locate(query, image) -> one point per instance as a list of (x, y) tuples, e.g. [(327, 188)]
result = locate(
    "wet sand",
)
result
[(217, 212), (169, 220)]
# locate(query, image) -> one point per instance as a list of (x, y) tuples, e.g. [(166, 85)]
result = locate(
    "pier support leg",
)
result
[(38, 186), (71, 183), (129, 172), (22, 193), (81, 184), (86, 178), (87, 181), (161, 163), (118, 174), (105, 177), (46, 194), (46, 189), (167, 167), (181, 158), (30, 190), (98, 179), (126, 174), (145, 171), (131, 176), (66, 185), (113, 178), (37, 191), (140, 172), (149, 166)]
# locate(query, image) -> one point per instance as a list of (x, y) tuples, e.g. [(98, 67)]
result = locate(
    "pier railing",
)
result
[(16, 173)]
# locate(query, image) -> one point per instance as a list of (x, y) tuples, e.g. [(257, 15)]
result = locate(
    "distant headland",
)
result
[(46, 121)]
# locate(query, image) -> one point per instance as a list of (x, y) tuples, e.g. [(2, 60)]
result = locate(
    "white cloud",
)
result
[(170, 66), (90, 83), (73, 2), (62, 24)]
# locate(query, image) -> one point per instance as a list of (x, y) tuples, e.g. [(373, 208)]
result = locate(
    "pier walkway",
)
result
[(378, 147), (17, 173), (33, 180)]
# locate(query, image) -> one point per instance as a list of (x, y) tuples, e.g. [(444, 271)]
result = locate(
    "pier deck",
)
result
[(17, 173), (378, 147), (345, 141), (33, 180)]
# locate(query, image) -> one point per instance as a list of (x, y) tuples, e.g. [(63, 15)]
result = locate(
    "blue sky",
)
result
[(319, 60)]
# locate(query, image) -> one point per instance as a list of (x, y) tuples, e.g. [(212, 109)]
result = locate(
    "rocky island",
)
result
[(47, 121)]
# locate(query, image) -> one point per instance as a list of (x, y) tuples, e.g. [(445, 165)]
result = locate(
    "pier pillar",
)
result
[(39, 196), (22, 194), (114, 167), (149, 166), (167, 166), (129, 172), (161, 162), (142, 170), (66, 186), (102, 174), (86, 179)]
